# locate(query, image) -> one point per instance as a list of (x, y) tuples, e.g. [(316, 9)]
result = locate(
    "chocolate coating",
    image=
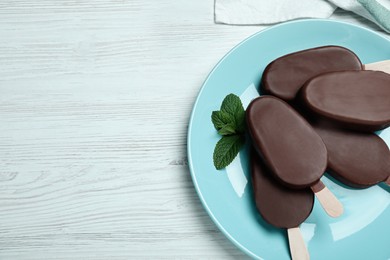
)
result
[(354, 99), (357, 159), (278, 205), (285, 76), (290, 147)]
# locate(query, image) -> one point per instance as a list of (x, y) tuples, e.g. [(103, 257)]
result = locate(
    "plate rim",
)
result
[(195, 105)]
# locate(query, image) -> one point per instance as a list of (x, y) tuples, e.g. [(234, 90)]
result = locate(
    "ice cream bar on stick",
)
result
[(357, 159), (280, 206), (289, 146), (358, 100)]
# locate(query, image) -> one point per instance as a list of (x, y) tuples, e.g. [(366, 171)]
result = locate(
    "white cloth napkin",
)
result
[(273, 11), (269, 11)]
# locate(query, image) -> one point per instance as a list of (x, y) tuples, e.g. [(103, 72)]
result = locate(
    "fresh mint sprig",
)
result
[(229, 121)]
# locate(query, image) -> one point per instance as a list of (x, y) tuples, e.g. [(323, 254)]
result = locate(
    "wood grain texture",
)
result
[(95, 98)]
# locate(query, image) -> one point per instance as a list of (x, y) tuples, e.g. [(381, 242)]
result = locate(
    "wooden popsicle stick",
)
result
[(380, 65), (328, 200), (388, 181), (297, 245)]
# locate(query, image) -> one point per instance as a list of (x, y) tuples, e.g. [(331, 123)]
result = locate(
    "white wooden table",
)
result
[(95, 98)]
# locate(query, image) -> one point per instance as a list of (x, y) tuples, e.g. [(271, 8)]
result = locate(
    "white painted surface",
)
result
[(95, 98)]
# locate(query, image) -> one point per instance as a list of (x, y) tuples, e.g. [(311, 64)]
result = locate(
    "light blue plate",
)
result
[(363, 232)]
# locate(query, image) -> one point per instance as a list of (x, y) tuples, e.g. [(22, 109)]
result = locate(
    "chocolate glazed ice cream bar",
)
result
[(357, 159), (296, 69), (358, 100), (291, 149), (280, 206)]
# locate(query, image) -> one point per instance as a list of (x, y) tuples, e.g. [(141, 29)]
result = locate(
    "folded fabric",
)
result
[(268, 12), (380, 12)]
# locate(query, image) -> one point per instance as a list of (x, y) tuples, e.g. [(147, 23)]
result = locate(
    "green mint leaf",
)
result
[(230, 123), (221, 119), (240, 121), (226, 150), (228, 129), (233, 106)]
